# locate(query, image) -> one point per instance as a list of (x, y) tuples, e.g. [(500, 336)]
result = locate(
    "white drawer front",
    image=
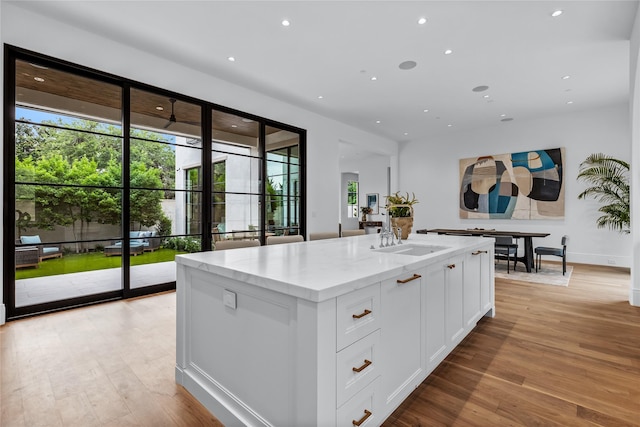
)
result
[(357, 365), (358, 315), (362, 410)]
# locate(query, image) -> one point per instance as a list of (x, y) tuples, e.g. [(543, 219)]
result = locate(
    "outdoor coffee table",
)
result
[(134, 249)]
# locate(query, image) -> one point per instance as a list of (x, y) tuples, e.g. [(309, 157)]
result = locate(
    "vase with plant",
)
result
[(365, 210), (400, 209), (608, 178)]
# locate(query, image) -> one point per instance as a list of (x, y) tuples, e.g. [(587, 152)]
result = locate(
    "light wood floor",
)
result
[(553, 356)]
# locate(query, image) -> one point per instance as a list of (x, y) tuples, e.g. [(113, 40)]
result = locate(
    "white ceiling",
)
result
[(332, 49)]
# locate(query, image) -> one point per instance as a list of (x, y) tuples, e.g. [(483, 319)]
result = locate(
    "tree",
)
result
[(608, 178)]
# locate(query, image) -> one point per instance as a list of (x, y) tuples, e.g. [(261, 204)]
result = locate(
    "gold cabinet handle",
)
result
[(361, 315), (479, 252), (414, 277), (451, 266), (364, 365), (367, 414)]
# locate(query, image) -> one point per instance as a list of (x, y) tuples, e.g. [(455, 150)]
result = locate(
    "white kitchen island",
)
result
[(328, 332)]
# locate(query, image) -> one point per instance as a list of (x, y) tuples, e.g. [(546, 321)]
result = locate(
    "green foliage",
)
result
[(183, 244), (608, 179), (82, 159), (164, 225), (406, 203)]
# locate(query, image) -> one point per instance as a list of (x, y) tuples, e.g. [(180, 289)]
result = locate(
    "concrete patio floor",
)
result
[(54, 288)]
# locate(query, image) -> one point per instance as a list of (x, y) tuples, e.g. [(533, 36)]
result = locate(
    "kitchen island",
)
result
[(325, 333)]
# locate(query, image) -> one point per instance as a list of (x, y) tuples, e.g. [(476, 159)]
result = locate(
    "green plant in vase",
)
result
[(400, 209), (365, 210)]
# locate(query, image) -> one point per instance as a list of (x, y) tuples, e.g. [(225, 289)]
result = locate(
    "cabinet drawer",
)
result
[(356, 366), (362, 410), (358, 314)]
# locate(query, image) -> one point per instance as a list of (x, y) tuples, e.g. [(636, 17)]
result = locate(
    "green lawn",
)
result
[(74, 263)]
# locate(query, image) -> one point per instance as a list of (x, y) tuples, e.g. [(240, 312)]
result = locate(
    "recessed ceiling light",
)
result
[(38, 79), (406, 133), (320, 96), (285, 23), (556, 13), (160, 108), (569, 102), (422, 21), (234, 126), (374, 78), (448, 52), (407, 65), (503, 115), (378, 121), (231, 58), (480, 88), (425, 111), (449, 125), (247, 120), (485, 96), (566, 77)]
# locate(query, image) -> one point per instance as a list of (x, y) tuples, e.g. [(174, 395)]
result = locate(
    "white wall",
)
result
[(41, 34), (430, 169), (634, 83)]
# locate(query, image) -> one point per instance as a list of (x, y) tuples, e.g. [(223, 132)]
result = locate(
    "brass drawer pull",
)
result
[(367, 414), (361, 315), (361, 368), (414, 277), (479, 252), (451, 266)]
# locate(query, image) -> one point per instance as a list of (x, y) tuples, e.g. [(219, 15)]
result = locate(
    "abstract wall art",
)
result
[(525, 185)]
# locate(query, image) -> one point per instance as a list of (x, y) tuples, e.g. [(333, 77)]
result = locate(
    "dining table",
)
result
[(527, 236)]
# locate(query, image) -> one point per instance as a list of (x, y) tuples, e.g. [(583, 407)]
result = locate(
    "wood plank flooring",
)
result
[(553, 356)]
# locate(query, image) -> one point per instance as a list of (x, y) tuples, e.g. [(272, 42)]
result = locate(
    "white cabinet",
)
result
[(454, 299), (434, 308), (401, 336), (277, 358), (472, 287)]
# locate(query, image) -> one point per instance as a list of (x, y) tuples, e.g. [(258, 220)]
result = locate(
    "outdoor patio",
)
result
[(54, 288)]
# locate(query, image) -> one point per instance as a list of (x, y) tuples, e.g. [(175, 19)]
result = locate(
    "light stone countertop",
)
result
[(323, 269)]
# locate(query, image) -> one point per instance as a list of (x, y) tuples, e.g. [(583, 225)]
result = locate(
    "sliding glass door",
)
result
[(107, 180), (68, 185)]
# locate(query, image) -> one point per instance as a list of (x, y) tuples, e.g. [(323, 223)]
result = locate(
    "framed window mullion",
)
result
[(207, 179), (262, 138), (125, 188)]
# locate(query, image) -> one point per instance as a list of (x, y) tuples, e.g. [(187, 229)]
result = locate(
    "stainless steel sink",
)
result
[(411, 249)]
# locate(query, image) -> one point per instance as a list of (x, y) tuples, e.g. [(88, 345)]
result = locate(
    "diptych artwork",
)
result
[(525, 185)]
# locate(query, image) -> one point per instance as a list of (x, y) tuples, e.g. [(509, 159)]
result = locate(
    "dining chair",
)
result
[(559, 252), (323, 235), (505, 247), (277, 240), (234, 244), (350, 233)]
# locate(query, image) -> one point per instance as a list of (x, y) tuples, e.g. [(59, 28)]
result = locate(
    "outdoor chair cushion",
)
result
[(30, 240)]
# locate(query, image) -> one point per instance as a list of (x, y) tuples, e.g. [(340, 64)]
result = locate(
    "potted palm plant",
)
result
[(608, 178), (400, 208)]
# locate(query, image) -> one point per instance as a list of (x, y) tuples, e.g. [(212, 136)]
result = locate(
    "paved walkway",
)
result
[(53, 288)]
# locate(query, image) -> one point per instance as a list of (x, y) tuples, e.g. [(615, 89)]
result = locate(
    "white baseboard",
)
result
[(598, 259), (634, 297)]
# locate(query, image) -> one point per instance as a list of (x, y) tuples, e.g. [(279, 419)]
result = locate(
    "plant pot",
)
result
[(404, 223)]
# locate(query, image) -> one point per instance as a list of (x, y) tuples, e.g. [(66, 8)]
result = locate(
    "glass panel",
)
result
[(283, 213), (234, 129), (68, 178), (166, 185), (352, 199), (48, 95), (236, 174), (234, 214), (178, 121)]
